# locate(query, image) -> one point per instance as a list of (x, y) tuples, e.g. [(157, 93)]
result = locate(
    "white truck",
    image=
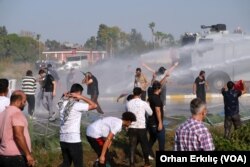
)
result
[(223, 56), (77, 62)]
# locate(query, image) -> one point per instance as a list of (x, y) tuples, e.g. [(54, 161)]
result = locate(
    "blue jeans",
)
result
[(154, 135)]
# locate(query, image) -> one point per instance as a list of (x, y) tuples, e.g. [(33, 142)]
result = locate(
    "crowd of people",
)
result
[(144, 116)]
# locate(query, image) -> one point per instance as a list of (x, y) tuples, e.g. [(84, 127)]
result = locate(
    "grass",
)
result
[(46, 150)]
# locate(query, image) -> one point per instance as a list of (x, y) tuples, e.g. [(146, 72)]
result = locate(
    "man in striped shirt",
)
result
[(193, 135), (29, 88)]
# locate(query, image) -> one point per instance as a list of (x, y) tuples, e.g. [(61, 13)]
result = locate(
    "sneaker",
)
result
[(51, 119), (150, 157), (34, 118), (53, 115)]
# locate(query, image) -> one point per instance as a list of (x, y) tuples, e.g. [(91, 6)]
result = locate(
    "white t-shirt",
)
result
[(139, 108), (70, 129), (102, 127), (4, 102)]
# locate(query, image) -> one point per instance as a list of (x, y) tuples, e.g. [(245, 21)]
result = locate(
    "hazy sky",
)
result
[(77, 20)]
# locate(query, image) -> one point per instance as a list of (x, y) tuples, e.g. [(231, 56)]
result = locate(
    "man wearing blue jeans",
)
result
[(155, 122)]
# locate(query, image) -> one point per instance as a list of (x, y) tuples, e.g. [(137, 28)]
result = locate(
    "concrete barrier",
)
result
[(12, 86)]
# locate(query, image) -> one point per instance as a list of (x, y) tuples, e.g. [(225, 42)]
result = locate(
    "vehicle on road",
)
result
[(224, 56)]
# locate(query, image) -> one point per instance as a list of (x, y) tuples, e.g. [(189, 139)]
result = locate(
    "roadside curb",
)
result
[(191, 96), (176, 97)]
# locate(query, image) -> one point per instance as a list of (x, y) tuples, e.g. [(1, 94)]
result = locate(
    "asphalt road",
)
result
[(174, 107)]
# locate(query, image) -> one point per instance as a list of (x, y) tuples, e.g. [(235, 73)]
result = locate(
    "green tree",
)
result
[(4, 47), (136, 44), (3, 31), (152, 26), (102, 37), (108, 38), (123, 42), (169, 40), (90, 43), (52, 45), (164, 39)]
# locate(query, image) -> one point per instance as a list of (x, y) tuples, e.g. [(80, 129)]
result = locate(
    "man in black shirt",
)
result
[(92, 86), (155, 122), (48, 92), (200, 86), (231, 107)]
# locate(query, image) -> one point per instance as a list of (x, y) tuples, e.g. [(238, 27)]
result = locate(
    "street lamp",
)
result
[(38, 36)]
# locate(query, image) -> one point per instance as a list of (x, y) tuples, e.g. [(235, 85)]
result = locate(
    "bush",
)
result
[(239, 141)]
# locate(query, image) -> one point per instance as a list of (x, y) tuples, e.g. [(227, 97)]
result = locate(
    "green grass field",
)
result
[(46, 148)]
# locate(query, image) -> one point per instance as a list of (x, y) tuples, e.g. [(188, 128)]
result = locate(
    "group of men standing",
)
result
[(231, 93), (143, 116), (192, 135), (15, 143), (149, 114)]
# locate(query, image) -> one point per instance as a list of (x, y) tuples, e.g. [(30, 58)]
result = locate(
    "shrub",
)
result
[(239, 140)]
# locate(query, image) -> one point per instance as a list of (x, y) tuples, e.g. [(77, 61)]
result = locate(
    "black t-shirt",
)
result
[(150, 91), (54, 74), (231, 101), (93, 87), (48, 85), (155, 101), (200, 88)]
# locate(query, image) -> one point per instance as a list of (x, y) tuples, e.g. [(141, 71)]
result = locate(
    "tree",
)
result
[(158, 38), (136, 45), (91, 43), (164, 39), (52, 45), (102, 37), (108, 38), (169, 40), (152, 26), (123, 40), (3, 31)]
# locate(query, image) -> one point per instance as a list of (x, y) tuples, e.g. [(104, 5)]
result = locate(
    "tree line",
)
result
[(112, 39), (117, 42)]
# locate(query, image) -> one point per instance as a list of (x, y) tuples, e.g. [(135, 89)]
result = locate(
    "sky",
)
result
[(77, 20)]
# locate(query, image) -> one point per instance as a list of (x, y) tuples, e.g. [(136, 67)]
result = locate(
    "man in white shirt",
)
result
[(101, 132), (137, 130), (71, 109), (4, 89)]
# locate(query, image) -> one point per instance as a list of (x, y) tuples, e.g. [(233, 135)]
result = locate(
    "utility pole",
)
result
[(38, 38)]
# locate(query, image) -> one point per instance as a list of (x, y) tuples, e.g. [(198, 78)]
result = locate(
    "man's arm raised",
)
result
[(92, 105)]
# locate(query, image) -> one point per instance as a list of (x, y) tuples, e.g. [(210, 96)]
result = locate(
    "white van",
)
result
[(76, 62)]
